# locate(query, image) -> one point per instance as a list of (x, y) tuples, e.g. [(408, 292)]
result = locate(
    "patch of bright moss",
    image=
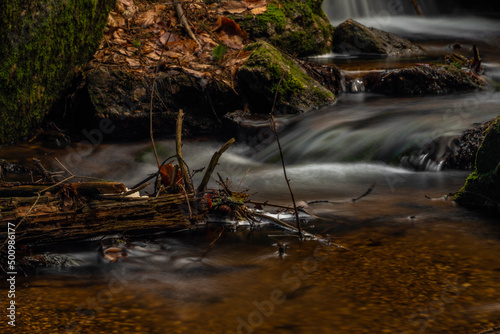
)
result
[(41, 44), (273, 16), (267, 68)]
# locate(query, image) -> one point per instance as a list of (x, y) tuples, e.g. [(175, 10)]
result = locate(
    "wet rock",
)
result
[(327, 75), (10, 168), (49, 260), (482, 187), (423, 79), (258, 80), (468, 144), (353, 37), (124, 98), (433, 155)]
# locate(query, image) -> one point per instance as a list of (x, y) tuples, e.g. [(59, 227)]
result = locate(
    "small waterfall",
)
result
[(340, 10)]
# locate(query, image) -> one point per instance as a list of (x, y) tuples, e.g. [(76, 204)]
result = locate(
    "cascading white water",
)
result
[(340, 10)]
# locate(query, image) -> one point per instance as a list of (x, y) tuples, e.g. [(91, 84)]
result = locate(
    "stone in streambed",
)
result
[(124, 97), (423, 79), (260, 76), (353, 37)]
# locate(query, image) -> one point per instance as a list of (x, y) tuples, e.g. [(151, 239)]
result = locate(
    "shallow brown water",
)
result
[(413, 276)]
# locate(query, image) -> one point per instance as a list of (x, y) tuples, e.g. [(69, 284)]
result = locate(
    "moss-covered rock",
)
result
[(124, 98), (42, 43), (298, 27), (482, 188), (353, 37), (424, 79), (259, 78)]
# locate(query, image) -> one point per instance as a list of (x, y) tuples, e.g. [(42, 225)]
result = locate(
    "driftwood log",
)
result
[(66, 215)]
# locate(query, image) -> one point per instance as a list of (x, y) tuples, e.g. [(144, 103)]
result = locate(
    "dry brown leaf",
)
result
[(132, 62), (119, 7), (201, 67), (115, 20), (233, 7), (119, 41), (117, 58), (238, 7), (160, 9), (240, 59), (256, 3), (127, 3), (259, 10), (169, 38), (148, 47), (125, 52), (99, 55), (114, 253), (206, 40), (118, 33), (171, 54), (146, 19), (234, 68), (230, 27), (153, 56), (197, 74), (234, 41)]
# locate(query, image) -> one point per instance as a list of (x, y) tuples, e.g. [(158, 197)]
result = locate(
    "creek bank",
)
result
[(222, 72)]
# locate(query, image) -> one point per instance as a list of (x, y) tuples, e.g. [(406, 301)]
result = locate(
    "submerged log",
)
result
[(49, 218), (82, 188)]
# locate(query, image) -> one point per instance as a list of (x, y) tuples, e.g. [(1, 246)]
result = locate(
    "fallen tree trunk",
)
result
[(49, 218)]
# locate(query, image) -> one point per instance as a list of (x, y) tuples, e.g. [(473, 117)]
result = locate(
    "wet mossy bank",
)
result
[(482, 187), (124, 97), (42, 46)]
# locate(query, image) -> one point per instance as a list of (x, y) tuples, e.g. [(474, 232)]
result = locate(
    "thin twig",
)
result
[(273, 124), (209, 248), (151, 103), (244, 175), (180, 157), (187, 201), (211, 166), (182, 17)]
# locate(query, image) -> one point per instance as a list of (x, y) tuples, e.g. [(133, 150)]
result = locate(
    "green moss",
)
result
[(218, 52), (482, 187), (267, 68), (299, 27), (274, 17), (41, 45)]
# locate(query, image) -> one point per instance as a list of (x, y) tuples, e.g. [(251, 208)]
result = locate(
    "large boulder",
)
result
[(265, 70), (482, 188), (42, 43), (353, 37), (423, 79), (123, 98)]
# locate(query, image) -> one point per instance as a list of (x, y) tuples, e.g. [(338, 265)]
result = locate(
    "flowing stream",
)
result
[(416, 263)]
